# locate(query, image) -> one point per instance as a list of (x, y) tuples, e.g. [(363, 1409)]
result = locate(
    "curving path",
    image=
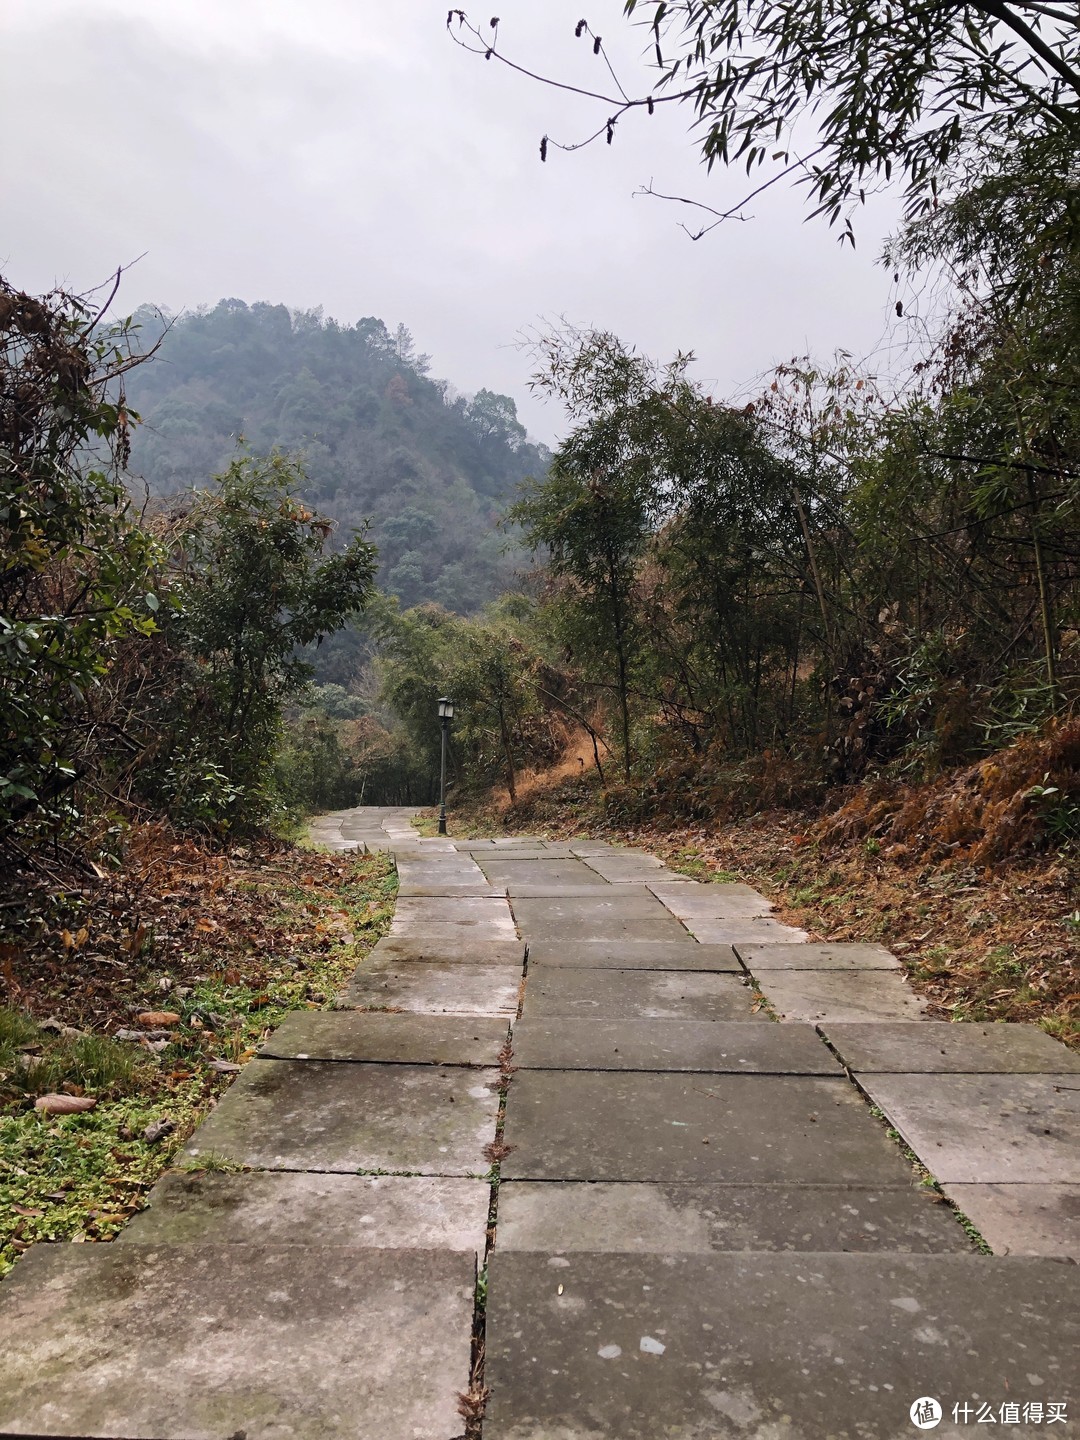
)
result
[(700, 1225)]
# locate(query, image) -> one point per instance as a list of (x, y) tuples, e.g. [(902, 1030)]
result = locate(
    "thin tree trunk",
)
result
[(504, 731), (1045, 612)]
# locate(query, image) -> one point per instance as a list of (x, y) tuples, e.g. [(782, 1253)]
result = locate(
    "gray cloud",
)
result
[(348, 155)]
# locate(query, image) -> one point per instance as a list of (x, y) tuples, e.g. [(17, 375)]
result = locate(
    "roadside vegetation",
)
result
[(118, 1035)]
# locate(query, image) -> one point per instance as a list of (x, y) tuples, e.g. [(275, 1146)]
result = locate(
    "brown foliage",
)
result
[(980, 814)]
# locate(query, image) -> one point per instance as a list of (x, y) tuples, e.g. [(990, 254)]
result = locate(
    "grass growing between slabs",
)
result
[(146, 1057)]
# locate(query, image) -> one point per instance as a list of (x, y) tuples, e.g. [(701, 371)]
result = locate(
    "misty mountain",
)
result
[(381, 441)]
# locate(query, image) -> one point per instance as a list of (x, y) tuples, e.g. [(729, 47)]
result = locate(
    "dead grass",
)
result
[(973, 880)]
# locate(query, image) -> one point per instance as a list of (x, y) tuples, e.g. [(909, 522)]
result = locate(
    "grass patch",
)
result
[(306, 922)]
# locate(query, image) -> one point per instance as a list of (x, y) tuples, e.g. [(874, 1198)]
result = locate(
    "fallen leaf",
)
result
[(64, 1104), (158, 1129), (224, 1067), (158, 1019)]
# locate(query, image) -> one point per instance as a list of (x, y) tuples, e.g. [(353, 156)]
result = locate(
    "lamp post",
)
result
[(446, 714)]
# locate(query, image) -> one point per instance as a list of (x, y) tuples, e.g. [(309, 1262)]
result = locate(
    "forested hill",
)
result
[(381, 440)]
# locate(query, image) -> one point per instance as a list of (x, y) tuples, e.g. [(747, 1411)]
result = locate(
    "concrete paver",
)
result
[(434, 989), (447, 949), (974, 1129), (1023, 1219), (572, 953), (729, 1347), (835, 956), (731, 930), (558, 1217), (204, 1342), (386, 1039), (823, 996), (691, 902), (941, 1047), (484, 918), (277, 1207), (553, 873), (637, 916), (638, 994), (322, 1115), (735, 1129), (621, 865), (709, 1046)]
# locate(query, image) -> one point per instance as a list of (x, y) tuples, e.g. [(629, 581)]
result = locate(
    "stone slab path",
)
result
[(561, 1075)]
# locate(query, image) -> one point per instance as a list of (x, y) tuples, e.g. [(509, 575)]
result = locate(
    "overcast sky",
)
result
[(346, 154)]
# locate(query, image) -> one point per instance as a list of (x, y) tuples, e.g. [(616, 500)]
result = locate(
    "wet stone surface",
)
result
[(726, 1347), (560, 1217), (433, 989), (387, 1039), (322, 1115), (731, 1129), (264, 1207), (205, 1342), (707, 1046), (621, 954), (938, 1047), (638, 994), (986, 1128)]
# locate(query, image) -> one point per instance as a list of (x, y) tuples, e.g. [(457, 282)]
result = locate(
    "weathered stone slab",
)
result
[(268, 1207), (628, 917), (757, 1347), (831, 995), (600, 891), (625, 865), (447, 869), (434, 989), (730, 1129), (201, 1342), (320, 1115), (938, 1047), (838, 956), (986, 1128), (1023, 1219), (749, 931), (435, 891), (638, 994), (571, 953), (692, 903), (566, 1216), (552, 873), (487, 919), (450, 949), (386, 1039), (716, 1047)]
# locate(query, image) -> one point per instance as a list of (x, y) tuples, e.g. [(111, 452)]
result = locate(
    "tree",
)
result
[(77, 572), (594, 511), (844, 94), (253, 585)]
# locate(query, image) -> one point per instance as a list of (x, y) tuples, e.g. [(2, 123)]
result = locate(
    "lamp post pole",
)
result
[(446, 714)]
